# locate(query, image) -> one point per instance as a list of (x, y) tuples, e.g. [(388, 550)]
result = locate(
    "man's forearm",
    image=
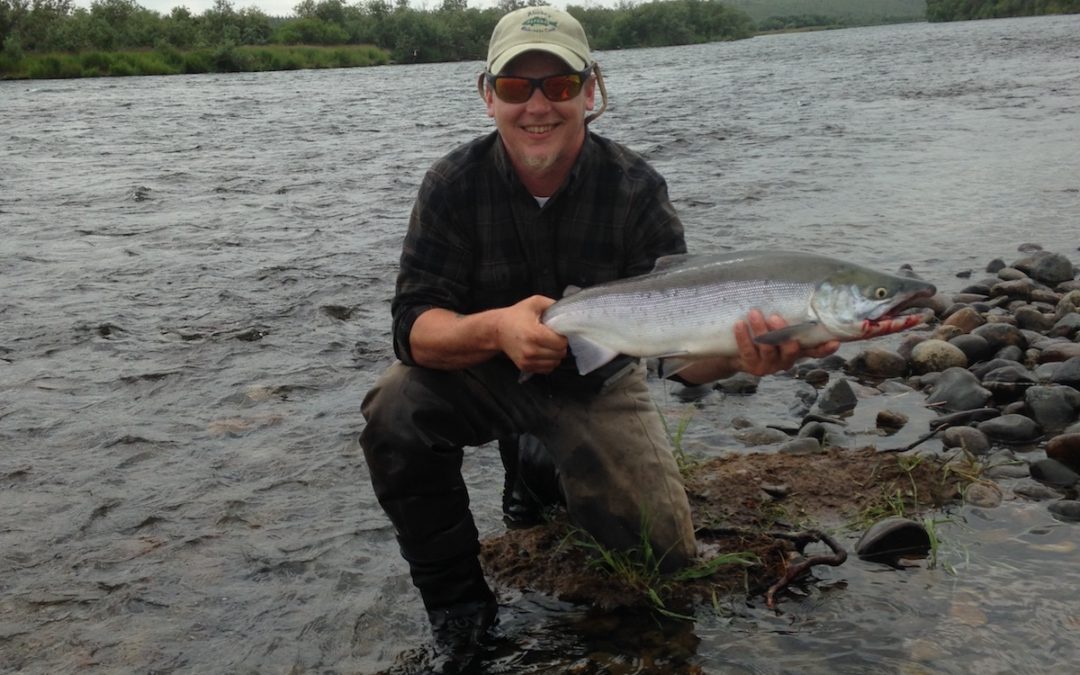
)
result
[(445, 340)]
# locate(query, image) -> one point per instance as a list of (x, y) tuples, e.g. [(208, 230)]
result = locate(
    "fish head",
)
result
[(856, 303)]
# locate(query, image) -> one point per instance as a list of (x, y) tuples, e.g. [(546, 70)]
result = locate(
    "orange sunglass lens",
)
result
[(513, 89), (562, 87)]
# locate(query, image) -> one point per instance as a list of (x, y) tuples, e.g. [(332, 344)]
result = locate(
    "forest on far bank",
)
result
[(54, 38)]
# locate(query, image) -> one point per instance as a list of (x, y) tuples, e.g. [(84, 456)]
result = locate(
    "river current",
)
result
[(196, 282)]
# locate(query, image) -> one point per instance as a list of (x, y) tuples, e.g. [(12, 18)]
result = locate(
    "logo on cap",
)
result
[(539, 24)]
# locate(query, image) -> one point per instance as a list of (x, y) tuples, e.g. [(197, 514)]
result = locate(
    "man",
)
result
[(501, 226)]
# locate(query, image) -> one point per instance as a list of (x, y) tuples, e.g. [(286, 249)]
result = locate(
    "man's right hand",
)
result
[(532, 346)]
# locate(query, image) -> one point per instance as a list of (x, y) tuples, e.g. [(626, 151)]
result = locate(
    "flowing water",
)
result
[(196, 282)]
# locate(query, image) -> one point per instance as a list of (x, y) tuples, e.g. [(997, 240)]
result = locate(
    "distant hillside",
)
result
[(962, 10), (844, 11)]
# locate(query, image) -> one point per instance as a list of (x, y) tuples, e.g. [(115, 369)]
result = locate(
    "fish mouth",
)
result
[(904, 304)]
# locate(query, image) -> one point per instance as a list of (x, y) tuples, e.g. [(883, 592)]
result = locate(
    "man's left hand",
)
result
[(762, 359)]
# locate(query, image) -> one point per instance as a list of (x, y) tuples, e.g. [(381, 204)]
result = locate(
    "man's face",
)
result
[(541, 137)]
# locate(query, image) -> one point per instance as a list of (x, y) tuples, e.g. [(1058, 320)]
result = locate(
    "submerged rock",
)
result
[(893, 538), (958, 389), (1011, 428), (1066, 509)]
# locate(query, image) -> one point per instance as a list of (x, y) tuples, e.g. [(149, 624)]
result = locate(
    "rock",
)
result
[(966, 438), (958, 389), (946, 333), (1065, 448), (1010, 274), (1067, 326), (1035, 491), (995, 265), (838, 397), (1068, 304), (776, 490), (980, 370), (975, 348), (1000, 335), (1002, 471), (817, 377), (1061, 351), (1005, 464), (1066, 509), (754, 436), (1010, 353), (891, 421), (1052, 406), (878, 362), (1031, 318), (936, 356), (802, 446), (739, 384), (1049, 268), (966, 319), (1016, 288), (1053, 472), (1009, 382), (892, 538), (1013, 429), (984, 495)]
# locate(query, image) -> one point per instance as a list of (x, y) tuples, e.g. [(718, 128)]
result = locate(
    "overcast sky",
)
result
[(285, 7)]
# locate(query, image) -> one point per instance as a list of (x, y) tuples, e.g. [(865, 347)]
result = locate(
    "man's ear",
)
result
[(485, 93), (590, 93)]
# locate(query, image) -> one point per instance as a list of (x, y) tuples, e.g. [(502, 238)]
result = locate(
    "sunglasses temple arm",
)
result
[(603, 95)]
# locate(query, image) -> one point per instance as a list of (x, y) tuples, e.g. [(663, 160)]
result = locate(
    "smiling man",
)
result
[(500, 227)]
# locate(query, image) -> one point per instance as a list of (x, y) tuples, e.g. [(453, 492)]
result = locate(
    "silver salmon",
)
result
[(686, 308)]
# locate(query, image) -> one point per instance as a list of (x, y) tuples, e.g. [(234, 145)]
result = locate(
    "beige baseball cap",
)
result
[(544, 29)]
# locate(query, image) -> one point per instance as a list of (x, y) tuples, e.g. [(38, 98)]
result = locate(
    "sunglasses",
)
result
[(556, 88)]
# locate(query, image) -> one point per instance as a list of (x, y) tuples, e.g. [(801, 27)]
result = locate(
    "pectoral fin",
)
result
[(792, 332)]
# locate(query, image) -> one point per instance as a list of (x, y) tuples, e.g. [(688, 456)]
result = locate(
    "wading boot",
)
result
[(531, 485), (459, 632)]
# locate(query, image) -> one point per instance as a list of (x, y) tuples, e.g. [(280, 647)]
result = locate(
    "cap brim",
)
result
[(572, 59)]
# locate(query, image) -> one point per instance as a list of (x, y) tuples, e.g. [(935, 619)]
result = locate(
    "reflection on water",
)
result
[(198, 271)]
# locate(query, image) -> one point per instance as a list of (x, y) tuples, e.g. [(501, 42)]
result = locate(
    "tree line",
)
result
[(964, 10), (451, 32)]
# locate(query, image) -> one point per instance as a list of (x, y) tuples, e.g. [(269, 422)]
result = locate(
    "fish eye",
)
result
[(880, 293)]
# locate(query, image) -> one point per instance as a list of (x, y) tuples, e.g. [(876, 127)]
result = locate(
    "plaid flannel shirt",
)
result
[(478, 240)]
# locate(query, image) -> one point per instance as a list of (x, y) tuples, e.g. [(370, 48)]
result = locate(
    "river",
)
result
[(197, 273)]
